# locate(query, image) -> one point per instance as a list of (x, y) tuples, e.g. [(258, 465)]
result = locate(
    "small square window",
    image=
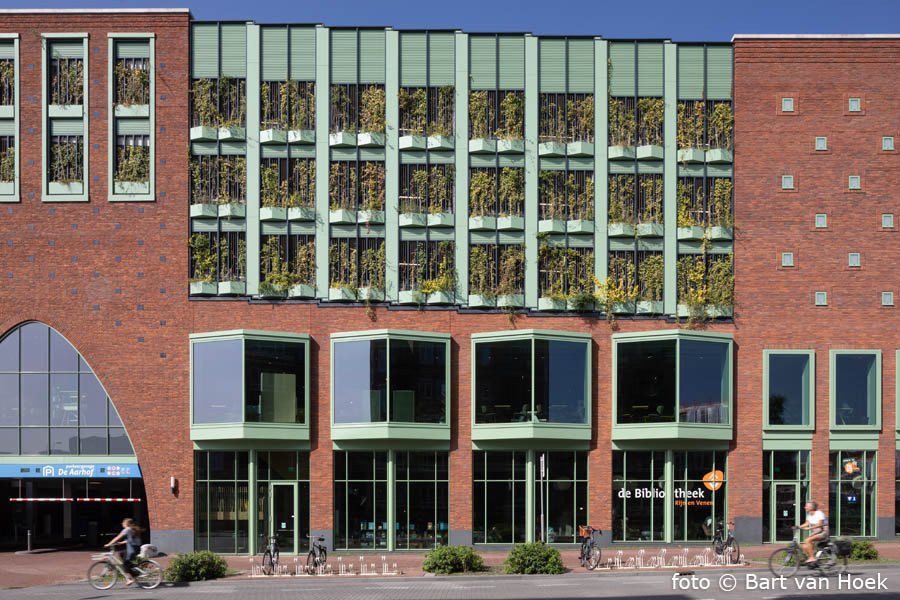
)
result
[(787, 182), (887, 298), (822, 143), (787, 105), (887, 221), (887, 143), (821, 221), (787, 259), (821, 298), (853, 182), (853, 259), (854, 105)]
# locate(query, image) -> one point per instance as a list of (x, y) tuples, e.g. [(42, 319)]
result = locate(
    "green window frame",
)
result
[(852, 496), (133, 118), (412, 495), (9, 122), (221, 495), (64, 120), (241, 427), (773, 476), (839, 415), (808, 384), (372, 534)]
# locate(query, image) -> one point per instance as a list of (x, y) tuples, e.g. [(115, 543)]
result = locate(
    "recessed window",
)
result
[(821, 298), (787, 259), (787, 105), (855, 389), (789, 387), (853, 182), (821, 220), (787, 182), (887, 143), (887, 221), (821, 143), (854, 105), (853, 259), (887, 298)]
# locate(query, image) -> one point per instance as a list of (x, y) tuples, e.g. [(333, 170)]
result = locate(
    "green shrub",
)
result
[(444, 560), (196, 566), (535, 558), (863, 550)]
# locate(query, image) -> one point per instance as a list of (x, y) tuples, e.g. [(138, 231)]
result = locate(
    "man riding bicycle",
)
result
[(817, 525)]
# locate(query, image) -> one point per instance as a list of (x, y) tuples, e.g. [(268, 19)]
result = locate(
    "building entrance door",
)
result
[(284, 511), (786, 507)]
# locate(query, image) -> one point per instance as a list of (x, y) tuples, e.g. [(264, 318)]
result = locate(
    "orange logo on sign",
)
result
[(851, 467), (714, 480)]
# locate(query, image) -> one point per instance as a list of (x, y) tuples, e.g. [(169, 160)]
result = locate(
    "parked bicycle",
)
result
[(315, 560), (590, 550), (724, 543), (270, 555), (104, 573), (830, 559)]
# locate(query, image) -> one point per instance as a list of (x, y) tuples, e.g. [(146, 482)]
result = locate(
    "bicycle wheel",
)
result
[(784, 562), (311, 562), (828, 561), (323, 557), (148, 574), (102, 575), (732, 552), (840, 564), (268, 565), (593, 558), (583, 555)]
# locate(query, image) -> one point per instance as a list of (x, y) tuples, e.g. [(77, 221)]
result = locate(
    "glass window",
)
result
[(887, 143), (92, 408), (63, 356), (788, 393), (564, 495), (854, 105), (852, 493), (217, 381), (853, 259), (9, 440), (855, 383), (64, 440), (423, 506), (787, 259), (821, 221), (887, 221), (9, 352), (9, 399), (646, 382), (703, 381), (887, 298), (275, 376), (787, 105), (35, 440), (360, 381), (499, 502), (821, 143), (853, 182), (638, 510), (418, 374), (699, 494), (35, 401), (222, 502), (560, 381), (787, 182), (35, 347), (360, 505), (785, 490), (502, 381), (821, 298)]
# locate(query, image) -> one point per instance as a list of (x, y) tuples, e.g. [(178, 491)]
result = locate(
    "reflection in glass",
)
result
[(93, 409), (63, 357), (697, 504), (93, 440), (788, 391), (35, 401), (418, 381), (64, 400), (63, 440), (852, 493), (9, 353), (855, 389), (360, 507), (360, 381), (275, 379), (9, 440), (35, 440), (499, 505), (503, 381), (35, 347), (217, 381), (9, 399), (646, 382), (560, 381), (639, 507), (422, 512), (119, 443), (565, 495), (703, 379)]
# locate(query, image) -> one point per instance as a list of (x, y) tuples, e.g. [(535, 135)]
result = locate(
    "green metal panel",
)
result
[(532, 69), (718, 72), (272, 228), (274, 57), (581, 66), (652, 167), (512, 63), (371, 56), (7, 127), (233, 148), (132, 49), (670, 180), (413, 59), (343, 56), (483, 160), (66, 127), (343, 154), (234, 50), (552, 65), (303, 151), (622, 79), (650, 69), (204, 149), (581, 164), (601, 104), (254, 66), (67, 50), (690, 72), (509, 160), (133, 126), (268, 151), (416, 158), (392, 162), (233, 225), (553, 164), (303, 53), (441, 158), (482, 62), (461, 181), (441, 51), (204, 50), (7, 49), (371, 154)]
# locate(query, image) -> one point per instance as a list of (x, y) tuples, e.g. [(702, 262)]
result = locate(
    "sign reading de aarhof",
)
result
[(86, 470)]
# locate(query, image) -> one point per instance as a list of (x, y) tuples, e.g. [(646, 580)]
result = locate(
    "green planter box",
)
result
[(650, 152), (650, 230), (510, 146), (7, 188), (412, 142), (580, 306), (412, 219), (71, 188), (270, 291), (691, 155), (342, 216), (511, 223), (301, 213), (721, 233), (580, 149), (302, 136), (202, 133), (620, 230), (551, 304), (342, 294), (7, 111), (65, 111), (232, 288), (579, 226), (411, 297), (132, 110), (440, 142), (441, 219), (684, 311), (511, 301), (370, 216), (719, 311), (203, 288), (131, 187), (551, 149), (551, 226), (482, 301), (342, 139), (232, 211), (694, 232), (719, 155), (623, 308), (620, 153), (272, 136), (272, 213), (482, 146), (441, 298), (231, 134), (204, 211), (482, 223), (370, 294), (370, 139), (302, 290), (650, 307)]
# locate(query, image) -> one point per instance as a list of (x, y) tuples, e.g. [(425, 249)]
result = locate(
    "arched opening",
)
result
[(68, 472)]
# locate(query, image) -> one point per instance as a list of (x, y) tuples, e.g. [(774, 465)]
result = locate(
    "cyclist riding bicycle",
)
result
[(131, 533), (817, 525)]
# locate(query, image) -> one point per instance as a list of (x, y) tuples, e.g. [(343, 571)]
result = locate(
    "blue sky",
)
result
[(680, 20)]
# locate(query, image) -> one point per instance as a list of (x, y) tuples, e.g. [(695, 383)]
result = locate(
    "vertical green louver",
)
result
[(482, 62), (552, 65), (650, 69), (718, 72), (581, 66), (274, 53), (690, 72), (413, 59), (343, 56), (512, 63), (234, 50), (441, 51), (204, 51), (371, 56), (622, 78), (303, 53)]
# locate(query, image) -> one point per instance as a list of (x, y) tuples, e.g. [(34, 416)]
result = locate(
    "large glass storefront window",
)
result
[(275, 471), (785, 491), (423, 501), (222, 500), (699, 494), (788, 390), (639, 496), (498, 497), (851, 494), (855, 388), (360, 500), (398, 379), (564, 495)]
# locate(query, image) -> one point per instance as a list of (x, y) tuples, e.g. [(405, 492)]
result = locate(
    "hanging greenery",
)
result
[(302, 102), (690, 274), (443, 273), (482, 193), (413, 110), (621, 123), (722, 193), (621, 272), (343, 115), (372, 266), (371, 116), (691, 121), (342, 260), (512, 270), (580, 277), (512, 191), (721, 126), (133, 163), (720, 280), (481, 114), (342, 185), (512, 117), (232, 102), (482, 270), (303, 184), (652, 115), (652, 197), (553, 120), (66, 161), (440, 189), (273, 190), (8, 164), (276, 271), (416, 192), (232, 172), (621, 199), (7, 83), (203, 258), (442, 114), (203, 103), (552, 266), (686, 204), (305, 261), (132, 82), (552, 190), (232, 264), (372, 180), (651, 276), (67, 84), (583, 128)]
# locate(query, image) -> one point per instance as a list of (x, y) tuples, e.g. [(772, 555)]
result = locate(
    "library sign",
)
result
[(89, 470), (700, 495)]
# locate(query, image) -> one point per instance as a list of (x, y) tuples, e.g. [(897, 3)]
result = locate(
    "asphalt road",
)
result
[(755, 584)]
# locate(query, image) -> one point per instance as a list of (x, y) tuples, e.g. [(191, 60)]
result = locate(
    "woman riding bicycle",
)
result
[(131, 533), (817, 524)]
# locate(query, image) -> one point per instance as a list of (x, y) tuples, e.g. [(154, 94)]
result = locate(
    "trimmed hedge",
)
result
[(536, 558), (863, 550), (445, 560), (196, 566)]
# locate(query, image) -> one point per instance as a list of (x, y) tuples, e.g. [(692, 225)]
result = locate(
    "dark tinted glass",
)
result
[(704, 382), (221, 465), (645, 376), (418, 381), (275, 380), (360, 381), (855, 389), (560, 379), (503, 381), (788, 389), (118, 441), (217, 381), (93, 440)]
